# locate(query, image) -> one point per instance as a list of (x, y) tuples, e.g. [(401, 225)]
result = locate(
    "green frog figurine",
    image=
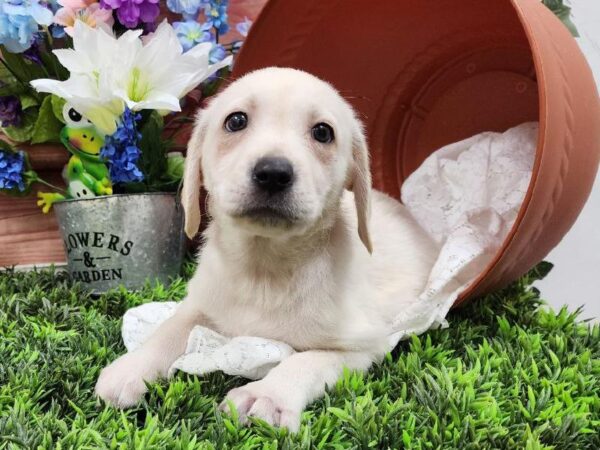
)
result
[(86, 174)]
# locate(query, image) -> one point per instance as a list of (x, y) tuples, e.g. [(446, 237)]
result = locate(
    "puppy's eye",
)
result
[(323, 133), (236, 121)]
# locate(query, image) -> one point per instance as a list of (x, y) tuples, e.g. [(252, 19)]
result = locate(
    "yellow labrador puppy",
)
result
[(292, 252)]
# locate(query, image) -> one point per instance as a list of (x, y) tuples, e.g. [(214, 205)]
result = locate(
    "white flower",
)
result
[(173, 72), (109, 73), (89, 89)]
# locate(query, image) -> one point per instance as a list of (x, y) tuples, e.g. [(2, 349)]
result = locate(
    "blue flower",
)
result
[(12, 171), (122, 152), (244, 26), (19, 20), (17, 32), (217, 54), (57, 31), (39, 11), (191, 33), (216, 15), (188, 8)]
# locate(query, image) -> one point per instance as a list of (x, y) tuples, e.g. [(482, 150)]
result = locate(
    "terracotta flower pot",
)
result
[(426, 73)]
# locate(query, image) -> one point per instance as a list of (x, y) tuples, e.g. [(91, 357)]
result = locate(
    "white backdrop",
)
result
[(575, 280)]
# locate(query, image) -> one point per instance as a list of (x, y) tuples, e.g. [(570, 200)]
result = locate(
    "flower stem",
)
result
[(39, 180), (48, 37), (232, 44)]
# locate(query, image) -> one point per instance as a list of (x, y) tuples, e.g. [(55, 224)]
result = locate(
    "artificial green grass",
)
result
[(506, 374)]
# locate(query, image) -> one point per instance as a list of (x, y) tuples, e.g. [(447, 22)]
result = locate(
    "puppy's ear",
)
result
[(360, 184), (192, 179)]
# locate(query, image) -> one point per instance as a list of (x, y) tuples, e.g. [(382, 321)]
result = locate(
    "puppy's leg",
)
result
[(282, 395), (122, 382)]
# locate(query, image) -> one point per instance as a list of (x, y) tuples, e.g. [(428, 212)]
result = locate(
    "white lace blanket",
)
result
[(465, 195)]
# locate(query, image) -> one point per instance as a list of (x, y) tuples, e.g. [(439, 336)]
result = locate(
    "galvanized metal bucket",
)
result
[(122, 239)]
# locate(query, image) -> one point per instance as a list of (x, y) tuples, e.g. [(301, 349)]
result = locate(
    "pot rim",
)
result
[(538, 65), (105, 197)]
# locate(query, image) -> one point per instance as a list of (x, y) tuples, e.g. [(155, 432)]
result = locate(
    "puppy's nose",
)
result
[(273, 174)]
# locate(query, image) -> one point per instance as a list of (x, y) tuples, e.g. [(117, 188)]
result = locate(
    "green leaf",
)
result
[(16, 72), (175, 166), (27, 101), (12, 89), (24, 132), (406, 440), (57, 107), (5, 74), (10, 85), (340, 413), (564, 15), (5, 146), (24, 70), (153, 162), (563, 12), (540, 271), (51, 62), (47, 126)]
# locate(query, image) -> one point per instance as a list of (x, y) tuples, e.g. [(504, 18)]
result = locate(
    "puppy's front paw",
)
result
[(263, 402), (122, 382)]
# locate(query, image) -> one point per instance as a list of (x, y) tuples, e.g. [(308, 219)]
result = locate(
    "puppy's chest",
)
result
[(302, 310)]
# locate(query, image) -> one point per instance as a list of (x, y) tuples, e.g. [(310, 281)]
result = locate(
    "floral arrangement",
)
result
[(106, 79)]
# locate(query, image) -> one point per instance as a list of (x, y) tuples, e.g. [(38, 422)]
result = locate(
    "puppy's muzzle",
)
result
[(273, 175), (271, 201)]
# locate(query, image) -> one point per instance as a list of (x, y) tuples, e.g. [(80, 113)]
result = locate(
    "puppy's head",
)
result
[(275, 150)]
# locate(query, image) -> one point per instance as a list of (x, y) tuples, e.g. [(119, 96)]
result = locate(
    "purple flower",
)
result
[(122, 152), (33, 53), (133, 12), (12, 171), (10, 111)]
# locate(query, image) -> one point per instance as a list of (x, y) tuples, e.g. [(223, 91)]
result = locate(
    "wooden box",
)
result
[(27, 236)]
